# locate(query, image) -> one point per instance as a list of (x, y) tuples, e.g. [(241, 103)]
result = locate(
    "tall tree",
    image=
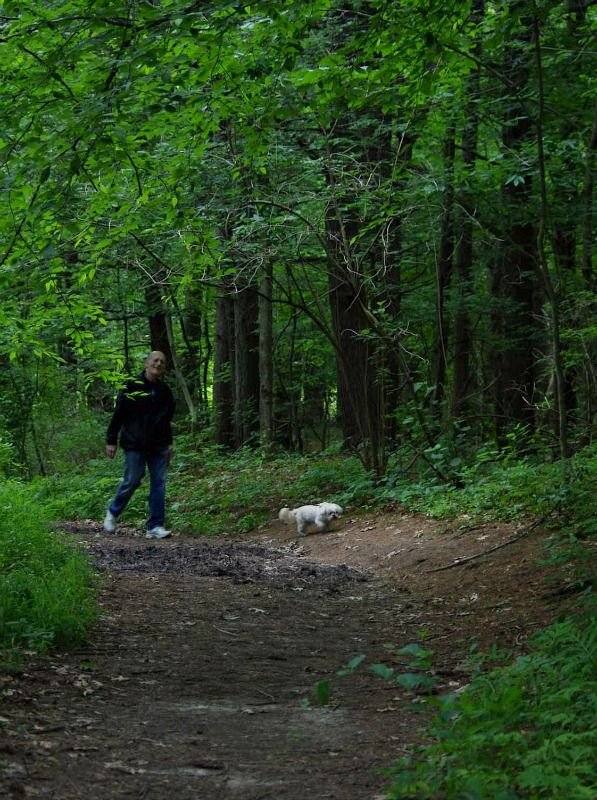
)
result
[(514, 279), (464, 258)]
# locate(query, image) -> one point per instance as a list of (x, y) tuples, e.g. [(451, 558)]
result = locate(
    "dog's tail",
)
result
[(286, 515)]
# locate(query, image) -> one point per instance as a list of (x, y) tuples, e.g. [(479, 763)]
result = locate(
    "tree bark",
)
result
[(156, 317), (246, 366), (266, 363), (587, 210), (464, 381), (514, 283), (444, 265), (223, 368)]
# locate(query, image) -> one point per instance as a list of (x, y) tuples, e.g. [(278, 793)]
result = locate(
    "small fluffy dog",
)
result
[(316, 517)]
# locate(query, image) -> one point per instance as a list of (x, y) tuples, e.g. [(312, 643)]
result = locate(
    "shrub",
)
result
[(523, 731), (46, 583), (217, 492)]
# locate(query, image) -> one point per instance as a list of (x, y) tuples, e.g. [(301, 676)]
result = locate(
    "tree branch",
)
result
[(460, 561)]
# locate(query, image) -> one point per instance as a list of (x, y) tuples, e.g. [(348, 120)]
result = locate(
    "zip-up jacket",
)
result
[(142, 416)]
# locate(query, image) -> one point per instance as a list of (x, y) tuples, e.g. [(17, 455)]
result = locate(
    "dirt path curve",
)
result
[(198, 681)]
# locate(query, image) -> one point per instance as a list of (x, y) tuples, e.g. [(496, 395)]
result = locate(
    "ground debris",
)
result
[(240, 562)]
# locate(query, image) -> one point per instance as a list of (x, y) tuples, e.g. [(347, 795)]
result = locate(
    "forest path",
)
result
[(198, 681)]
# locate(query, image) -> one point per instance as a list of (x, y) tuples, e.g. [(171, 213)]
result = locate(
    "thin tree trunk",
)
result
[(191, 324), (463, 337), (246, 366), (156, 316), (180, 378), (444, 271), (514, 283), (587, 211), (223, 368), (553, 300), (266, 366)]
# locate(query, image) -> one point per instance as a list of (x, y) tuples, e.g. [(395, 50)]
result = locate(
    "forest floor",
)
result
[(198, 679)]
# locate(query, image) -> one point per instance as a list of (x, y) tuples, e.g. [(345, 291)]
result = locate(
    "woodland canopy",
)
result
[(366, 221)]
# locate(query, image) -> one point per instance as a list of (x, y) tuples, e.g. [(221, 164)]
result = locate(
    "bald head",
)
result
[(155, 365)]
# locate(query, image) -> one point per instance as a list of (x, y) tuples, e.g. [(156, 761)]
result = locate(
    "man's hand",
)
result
[(111, 450)]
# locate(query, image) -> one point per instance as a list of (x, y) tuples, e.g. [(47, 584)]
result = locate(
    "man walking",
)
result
[(143, 413)]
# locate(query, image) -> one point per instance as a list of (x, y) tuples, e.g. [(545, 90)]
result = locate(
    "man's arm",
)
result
[(115, 424)]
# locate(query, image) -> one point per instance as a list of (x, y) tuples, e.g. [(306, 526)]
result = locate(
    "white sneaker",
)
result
[(109, 522), (158, 533)]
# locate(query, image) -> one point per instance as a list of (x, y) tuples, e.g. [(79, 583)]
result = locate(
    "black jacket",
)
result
[(142, 415)]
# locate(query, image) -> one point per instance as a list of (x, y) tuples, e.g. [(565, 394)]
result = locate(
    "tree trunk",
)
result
[(191, 323), (158, 329), (514, 281), (246, 366), (551, 293), (587, 210), (266, 363), (443, 273), (464, 380), (180, 378), (360, 398), (223, 366)]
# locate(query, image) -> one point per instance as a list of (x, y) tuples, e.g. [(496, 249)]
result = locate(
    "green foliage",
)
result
[(46, 584), (214, 492), (322, 692), (126, 141), (523, 731), (81, 495), (7, 454), (417, 680), (505, 486), (210, 491), (46, 424), (66, 436)]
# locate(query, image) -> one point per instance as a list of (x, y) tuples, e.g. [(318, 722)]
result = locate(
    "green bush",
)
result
[(213, 492), (524, 731), (82, 493), (495, 486), (46, 583)]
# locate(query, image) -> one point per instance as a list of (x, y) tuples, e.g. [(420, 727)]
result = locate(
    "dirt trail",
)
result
[(198, 681)]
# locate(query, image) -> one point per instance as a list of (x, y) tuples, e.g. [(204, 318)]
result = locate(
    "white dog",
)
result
[(316, 517)]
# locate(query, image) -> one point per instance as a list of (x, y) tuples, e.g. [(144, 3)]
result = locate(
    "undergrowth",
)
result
[(211, 491), (46, 584), (505, 488), (522, 731)]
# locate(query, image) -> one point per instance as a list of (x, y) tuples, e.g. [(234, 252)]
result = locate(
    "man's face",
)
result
[(155, 366)]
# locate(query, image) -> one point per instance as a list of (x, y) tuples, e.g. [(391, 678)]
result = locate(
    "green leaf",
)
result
[(352, 665), (382, 670), (322, 692), (414, 680)]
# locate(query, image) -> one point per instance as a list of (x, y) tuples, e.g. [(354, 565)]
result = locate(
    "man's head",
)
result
[(155, 366)]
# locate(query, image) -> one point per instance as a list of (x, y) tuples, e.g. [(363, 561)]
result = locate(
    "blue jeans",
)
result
[(134, 470)]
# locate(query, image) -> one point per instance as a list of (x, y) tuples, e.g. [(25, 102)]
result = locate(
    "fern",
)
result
[(524, 731)]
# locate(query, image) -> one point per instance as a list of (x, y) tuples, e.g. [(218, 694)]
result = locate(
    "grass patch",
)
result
[(216, 492), (504, 489), (523, 731), (46, 583), (211, 491)]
